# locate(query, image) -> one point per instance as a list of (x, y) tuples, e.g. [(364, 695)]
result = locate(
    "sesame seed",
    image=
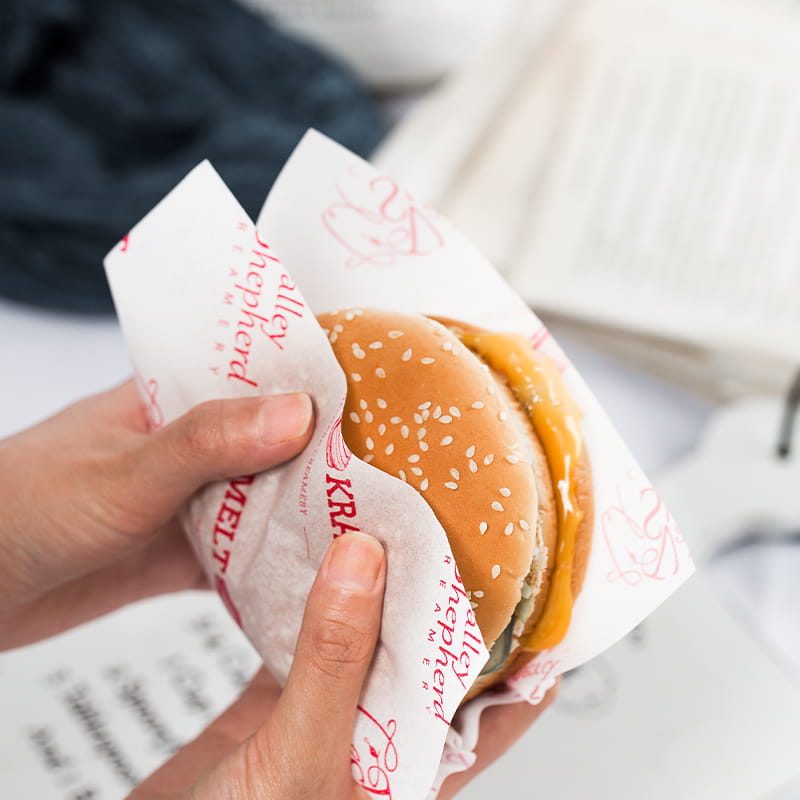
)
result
[(447, 346), (454, 411), (349, 316), (451, 485), (368, 458), (338, 328), (394, 334), (389, 449), (473, 467), (368, 416), (423, 445), (483, 527), (495, 570), (357, 351), (355, 417), (362, 403), (470, 452), (437, 412), (477, 404), (416, 471), (427, 360), (423, 485), (512, 459), (455, 473), (381, 429), (509, 529), (421, 433), (418, 419), (404, 431), (490, 389), (355, 376), (413, 458), (477, 593), (333, 337), (396, 420), (524, 524), (497, 506), (505, 492), (473, 604), (445, 419), (423, 406), (375, 345), (488, 459), (402, 474), (425, 414), (406, 355), (369, 443), (380, 402), (446, 440), (380, 372), (502, 416)]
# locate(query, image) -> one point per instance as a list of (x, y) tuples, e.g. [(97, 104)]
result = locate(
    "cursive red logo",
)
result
[(124, 242), (542, 340), (535, 678), (377, 222), (259, 316), (373, 755), (456, 640), (337, 456), (642, 538), (149, 389)]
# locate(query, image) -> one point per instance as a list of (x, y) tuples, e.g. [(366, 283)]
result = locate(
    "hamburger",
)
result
[(484, 429)]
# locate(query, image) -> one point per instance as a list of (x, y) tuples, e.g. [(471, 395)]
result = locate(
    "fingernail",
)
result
[(285, 417), (354, 562)]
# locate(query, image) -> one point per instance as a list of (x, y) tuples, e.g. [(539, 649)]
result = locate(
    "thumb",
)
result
[(222, 439), (340, 631), (316, 711)]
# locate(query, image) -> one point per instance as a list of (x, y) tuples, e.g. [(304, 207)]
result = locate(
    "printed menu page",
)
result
[(89, 714)]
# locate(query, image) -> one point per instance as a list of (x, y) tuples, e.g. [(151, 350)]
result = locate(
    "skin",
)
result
[(89, 523)]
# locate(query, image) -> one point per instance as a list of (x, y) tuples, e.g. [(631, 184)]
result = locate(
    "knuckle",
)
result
[(338, 644), (268, 768), (205, 429)]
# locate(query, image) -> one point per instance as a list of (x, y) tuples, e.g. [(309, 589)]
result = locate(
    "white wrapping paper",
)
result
[(212, 307)]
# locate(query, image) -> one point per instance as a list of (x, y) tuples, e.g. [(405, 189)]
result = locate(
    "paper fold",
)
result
[(212, 306)]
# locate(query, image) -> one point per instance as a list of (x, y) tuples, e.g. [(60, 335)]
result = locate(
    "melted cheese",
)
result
[(555, 417)]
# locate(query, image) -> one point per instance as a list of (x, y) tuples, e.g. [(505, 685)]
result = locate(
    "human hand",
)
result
[(291, 744), (89, 500), (294, 744)]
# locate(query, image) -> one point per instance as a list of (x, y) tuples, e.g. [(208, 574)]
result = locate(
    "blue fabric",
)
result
[(106, 104)]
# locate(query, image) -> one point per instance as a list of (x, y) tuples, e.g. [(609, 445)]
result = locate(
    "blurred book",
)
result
[(633, 167)]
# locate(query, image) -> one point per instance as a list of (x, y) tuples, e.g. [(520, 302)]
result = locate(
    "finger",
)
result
[(222, 439), (335, 648), (501, 727), (219, 739)]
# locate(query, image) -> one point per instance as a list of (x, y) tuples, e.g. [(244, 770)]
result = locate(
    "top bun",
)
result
[(423, 407)]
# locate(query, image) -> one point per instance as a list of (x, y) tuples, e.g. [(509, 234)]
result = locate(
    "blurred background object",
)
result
[(635, 173), (104, 107), (394, 44)]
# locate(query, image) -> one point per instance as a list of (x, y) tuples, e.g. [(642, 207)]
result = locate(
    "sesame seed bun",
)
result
[(425, 408)]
